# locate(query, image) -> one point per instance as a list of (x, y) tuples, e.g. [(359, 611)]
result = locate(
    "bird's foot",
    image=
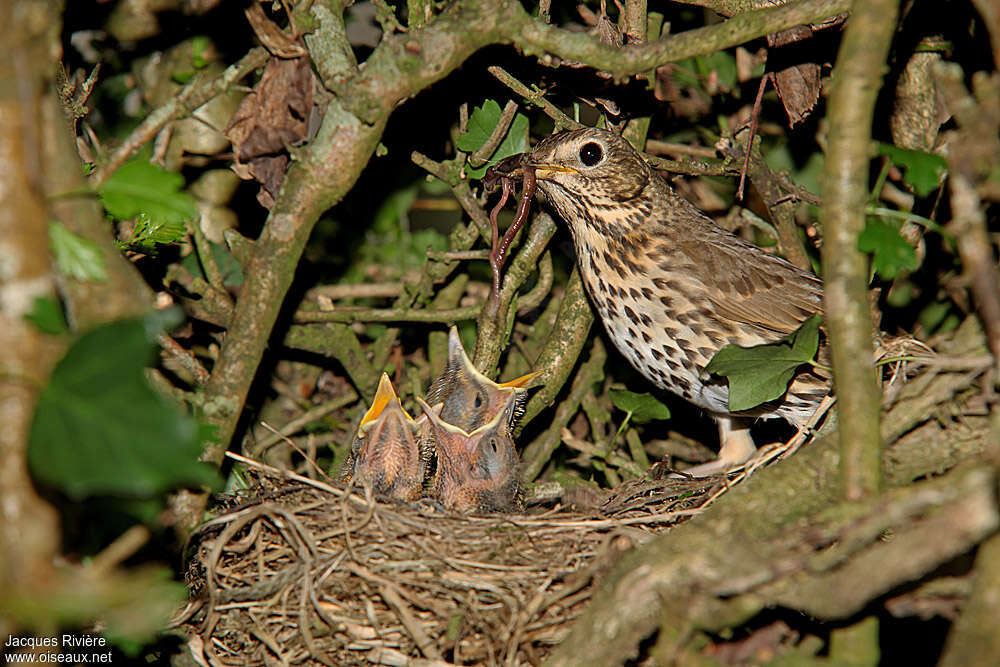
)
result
[(737, 448)]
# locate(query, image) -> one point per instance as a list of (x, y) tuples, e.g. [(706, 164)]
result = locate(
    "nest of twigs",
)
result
[(302, 572)]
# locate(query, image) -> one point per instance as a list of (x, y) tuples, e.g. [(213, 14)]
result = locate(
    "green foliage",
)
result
[(391, 244), (723, 63), (146, 234), (694, 72), (100, 429), (921, 171), (482, 122), (939, 317), (200, 59), (392, 216), (76, 257), (229, 268), (890, 251), (47, 314), (640, 407), (761, 373), (140, 187), (133, 605)]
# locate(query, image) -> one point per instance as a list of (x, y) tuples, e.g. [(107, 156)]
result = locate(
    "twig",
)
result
[(307, 417), (288, 474), (535, 96), (349, 315), (670, 148), (529, 33), (754, 115), (183, 103), (978, 120), (458, 255), (562, 347), (496, 137), (450, 173), (781, 207), (214, 306), (537, 454), (359, 291), (205, 256), (691, 167), (123, 548), (185, 358), (534, 298)]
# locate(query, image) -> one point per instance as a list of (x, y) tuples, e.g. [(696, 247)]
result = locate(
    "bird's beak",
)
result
[(543, 171), (383, 396), (458, 358), (521, 382)]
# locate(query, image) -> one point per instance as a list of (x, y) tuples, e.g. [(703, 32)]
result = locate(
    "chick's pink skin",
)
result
[(386, 452), (477, 471), (469, 399)]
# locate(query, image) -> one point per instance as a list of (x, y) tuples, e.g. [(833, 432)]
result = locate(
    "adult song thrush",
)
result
[(388, 451), (671, 286)]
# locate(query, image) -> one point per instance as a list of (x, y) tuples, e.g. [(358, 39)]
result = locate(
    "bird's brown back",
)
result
[(671, 286)]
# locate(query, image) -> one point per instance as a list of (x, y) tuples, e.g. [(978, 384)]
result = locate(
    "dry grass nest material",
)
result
[(302, 572)]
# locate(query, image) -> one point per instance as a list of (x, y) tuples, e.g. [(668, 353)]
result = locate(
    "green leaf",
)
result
[(146, 234), (642, 407), (201, 47), (77, 258), (921, 171), (392, 215), (761, 373), (481, 124), (99, 429), (723, 64), (232, 272), (890, 251), (47, 314), (140, 187), (683, 72)]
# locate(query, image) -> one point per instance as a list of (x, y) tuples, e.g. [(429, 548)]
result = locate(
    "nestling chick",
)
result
[(477, 471), (470, 399), (386, 451)]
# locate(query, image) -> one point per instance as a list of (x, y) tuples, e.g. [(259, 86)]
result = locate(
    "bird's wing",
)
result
[(746, 284)]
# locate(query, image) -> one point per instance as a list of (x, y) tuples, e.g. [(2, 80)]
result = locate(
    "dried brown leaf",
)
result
[(275, 115), (275, 40)]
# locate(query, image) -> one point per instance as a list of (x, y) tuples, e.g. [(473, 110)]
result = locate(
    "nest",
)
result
[(302, 572)]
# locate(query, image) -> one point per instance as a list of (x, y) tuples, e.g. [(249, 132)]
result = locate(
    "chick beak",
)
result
[(383, 396), (388, 455)]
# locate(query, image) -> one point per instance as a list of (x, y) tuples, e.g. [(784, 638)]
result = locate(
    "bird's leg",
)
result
[(737, 447)]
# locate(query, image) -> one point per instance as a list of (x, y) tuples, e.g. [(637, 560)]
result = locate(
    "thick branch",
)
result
[(562, 348), (857, 78), (974, 638), (745, 553), (536, 38), (29, 526)]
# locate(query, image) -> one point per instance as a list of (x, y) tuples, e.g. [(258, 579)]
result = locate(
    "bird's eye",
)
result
[(591, 153), (493, 444), (479, 401)]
